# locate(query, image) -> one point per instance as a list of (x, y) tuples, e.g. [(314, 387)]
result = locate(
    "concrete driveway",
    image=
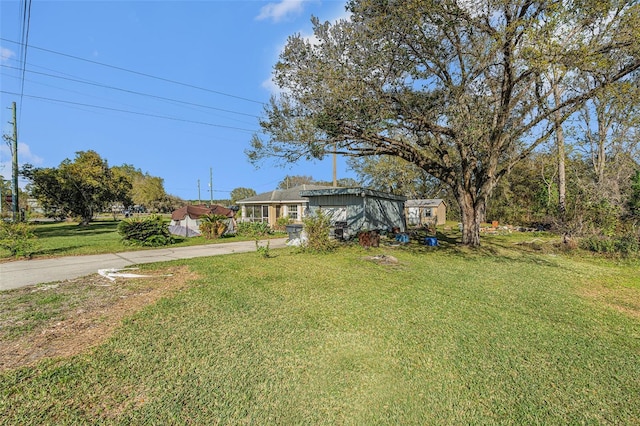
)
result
[(21, 273)]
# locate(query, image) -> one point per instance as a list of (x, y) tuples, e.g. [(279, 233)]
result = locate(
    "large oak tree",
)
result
[(458, 88)]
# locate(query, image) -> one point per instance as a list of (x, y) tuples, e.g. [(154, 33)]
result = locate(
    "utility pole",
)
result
[(14, 149), (211, 186), (199, 202), (335, 166)]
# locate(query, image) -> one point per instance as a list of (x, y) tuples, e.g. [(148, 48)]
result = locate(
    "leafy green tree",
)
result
[(341, 182), (297, 180), (241, 193), (633, 204), (150, 192), (5, 190), (146, 190), (458, 89), (81, 187), (396, 176)]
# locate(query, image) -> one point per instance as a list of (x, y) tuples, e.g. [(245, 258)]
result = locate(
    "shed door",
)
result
[(413, 216)]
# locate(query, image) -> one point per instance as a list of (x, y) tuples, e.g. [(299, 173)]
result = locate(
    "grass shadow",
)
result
[(56, 251), (58, 229)]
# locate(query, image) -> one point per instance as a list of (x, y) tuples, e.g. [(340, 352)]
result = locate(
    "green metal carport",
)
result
[(356, 209)]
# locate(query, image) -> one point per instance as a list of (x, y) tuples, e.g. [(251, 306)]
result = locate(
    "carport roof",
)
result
[(361, 192)]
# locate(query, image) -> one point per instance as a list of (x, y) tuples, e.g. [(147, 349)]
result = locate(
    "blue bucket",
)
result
[(402, 238), (431, 241)]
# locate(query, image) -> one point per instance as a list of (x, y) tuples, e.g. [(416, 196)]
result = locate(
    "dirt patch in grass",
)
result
[(69, 317), (383, 259)]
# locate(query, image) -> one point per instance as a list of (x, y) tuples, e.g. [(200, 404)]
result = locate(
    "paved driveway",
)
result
[(21, 273)]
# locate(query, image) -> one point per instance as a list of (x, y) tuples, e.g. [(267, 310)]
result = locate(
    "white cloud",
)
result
[(270, 85), (6, 54), (24, 156), (279, 11)]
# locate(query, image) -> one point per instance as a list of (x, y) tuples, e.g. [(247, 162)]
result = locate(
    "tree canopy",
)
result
[(81, 187), (463, 90), (146, 190), (241, 193)]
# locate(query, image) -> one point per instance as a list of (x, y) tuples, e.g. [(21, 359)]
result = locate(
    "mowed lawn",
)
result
[(445, 336), (100, 236)]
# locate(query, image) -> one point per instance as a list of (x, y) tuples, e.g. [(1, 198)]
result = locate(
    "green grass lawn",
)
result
[(502, 335), (100, 236)]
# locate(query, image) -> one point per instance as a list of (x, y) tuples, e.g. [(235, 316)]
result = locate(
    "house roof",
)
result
[(195, 212), (351, 191), (279, 196), (431, 202)]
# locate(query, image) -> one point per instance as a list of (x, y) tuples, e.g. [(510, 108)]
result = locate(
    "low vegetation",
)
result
[(516, 332), (149, 231), (17, 238), (317, 228), (213, 226)]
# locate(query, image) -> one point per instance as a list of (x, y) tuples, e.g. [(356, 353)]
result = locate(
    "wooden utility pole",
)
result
[(211, 186), (335, 167), (14, 152), (199, 202)]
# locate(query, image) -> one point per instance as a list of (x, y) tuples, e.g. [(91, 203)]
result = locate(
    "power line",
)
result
[(137, 72), (164, 117), (25, 15), (134, 92)]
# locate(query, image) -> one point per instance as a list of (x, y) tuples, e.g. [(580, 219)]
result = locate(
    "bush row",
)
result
[(628, 244)]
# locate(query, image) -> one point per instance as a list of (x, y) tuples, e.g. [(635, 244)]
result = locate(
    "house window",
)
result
[(257, 213), (292, 211)]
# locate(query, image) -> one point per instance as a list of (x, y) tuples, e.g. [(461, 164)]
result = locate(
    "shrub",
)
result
[(263, 250), (627, 244), (317, 228), (281, 223), (597, 244), (150, 231), (253, 229), (213, 226), (18, 238)]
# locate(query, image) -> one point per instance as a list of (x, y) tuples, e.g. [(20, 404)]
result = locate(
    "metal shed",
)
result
[(355, 209)]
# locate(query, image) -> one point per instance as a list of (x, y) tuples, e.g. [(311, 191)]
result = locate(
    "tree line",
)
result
[(87, 185)]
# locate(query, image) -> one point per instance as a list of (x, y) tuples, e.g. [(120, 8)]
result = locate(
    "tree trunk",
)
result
[(86, 216), (562, 183), (472, 214)]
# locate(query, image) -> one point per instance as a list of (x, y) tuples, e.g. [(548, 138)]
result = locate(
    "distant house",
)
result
[(185, 221), (269, 206), (425, 212), (355, 209)]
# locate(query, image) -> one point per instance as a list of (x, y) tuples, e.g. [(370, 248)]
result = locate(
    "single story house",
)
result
[(269, 206), (185, 221), (356, 209), (425, 212)]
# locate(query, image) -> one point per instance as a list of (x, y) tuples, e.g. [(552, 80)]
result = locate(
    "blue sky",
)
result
[(174, 88)]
